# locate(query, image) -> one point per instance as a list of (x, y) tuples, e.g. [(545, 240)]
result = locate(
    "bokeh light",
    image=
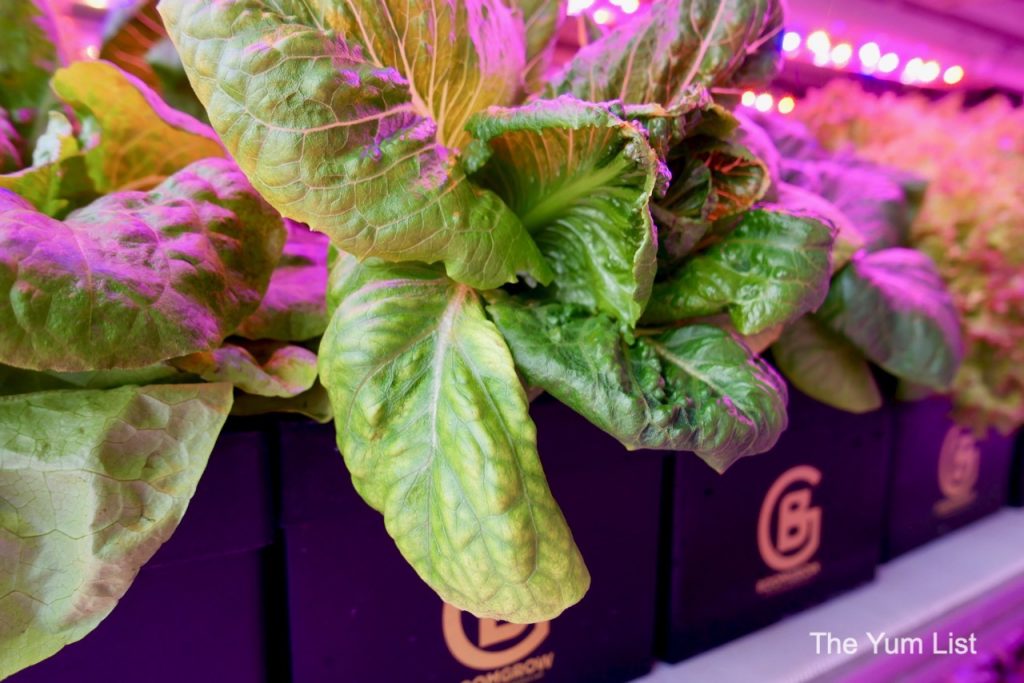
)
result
[(841, 54), (791, 41), (869, 55), (953, 75), (889, 62), (786, 104), (764, 102)]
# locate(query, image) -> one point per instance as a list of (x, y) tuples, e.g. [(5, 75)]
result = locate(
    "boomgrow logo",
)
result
[(504, 652), (789, 530), (959, 462)]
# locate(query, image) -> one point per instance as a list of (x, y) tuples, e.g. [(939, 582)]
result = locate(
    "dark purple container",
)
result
[(204, 609), (360, 614), (1017, 472), (777, 532), (942, 476)]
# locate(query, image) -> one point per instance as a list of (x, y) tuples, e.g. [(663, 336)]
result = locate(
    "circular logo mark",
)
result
[(489, 634), (959, 461), (798, 525)]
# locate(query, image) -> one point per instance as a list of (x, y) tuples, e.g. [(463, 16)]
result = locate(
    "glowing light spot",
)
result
[(869, 55), (748, 98), (95, 4), (786, 104), (930, 71), (603, 16), (820, 58), (889, 62), (92, 51), (577, 6), (791, 41), (764, 102), (818, 42), (912, 71), (953, 75), (629, 6), (841, 54)]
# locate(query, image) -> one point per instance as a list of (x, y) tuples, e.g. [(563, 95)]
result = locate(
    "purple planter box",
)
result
[(942, 477), (777, 532), (360, 614), (201, 609), (1017, 472)]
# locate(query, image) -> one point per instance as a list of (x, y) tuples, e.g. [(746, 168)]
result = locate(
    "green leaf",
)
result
[(542, 18), (273, 369), (682, 213), (738, 177), (826, 367), (53, 188), (433, 424), (893, 306), (657, 56), (134, 278), (361, 134), (31, 52), (580, 179), (58, 179), (19, 381), (10, 144), (872, 198), (772, 268), (312, 403), (696, 388), (141, 139), (849, 240), (294, 307), (91, 484)]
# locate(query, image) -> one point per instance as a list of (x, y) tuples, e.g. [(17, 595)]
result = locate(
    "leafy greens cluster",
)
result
[(602, 234), (887, 304), (143, 278), (609, 234), (969, 223)]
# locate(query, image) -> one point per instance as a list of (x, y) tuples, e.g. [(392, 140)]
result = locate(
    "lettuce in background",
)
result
[(970, 222)]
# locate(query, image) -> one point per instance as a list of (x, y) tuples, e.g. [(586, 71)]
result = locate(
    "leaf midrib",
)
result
[(545, 211)]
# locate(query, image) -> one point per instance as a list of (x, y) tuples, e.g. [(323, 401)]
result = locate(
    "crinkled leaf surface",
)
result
[(141, 139), (294, 307), (580, 179), (696, 388), (348, 116), (91, 484), (738, 177), (134, 278), (272, 369), (676, 44), (772, 268), (31, 53), (681, 215), (826, 367), (893, 306), (433, 424)]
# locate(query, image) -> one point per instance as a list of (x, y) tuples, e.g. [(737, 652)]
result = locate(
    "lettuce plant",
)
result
[(969, 222), (887, 304), (606, 234), (604, 239), (136, 265)]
